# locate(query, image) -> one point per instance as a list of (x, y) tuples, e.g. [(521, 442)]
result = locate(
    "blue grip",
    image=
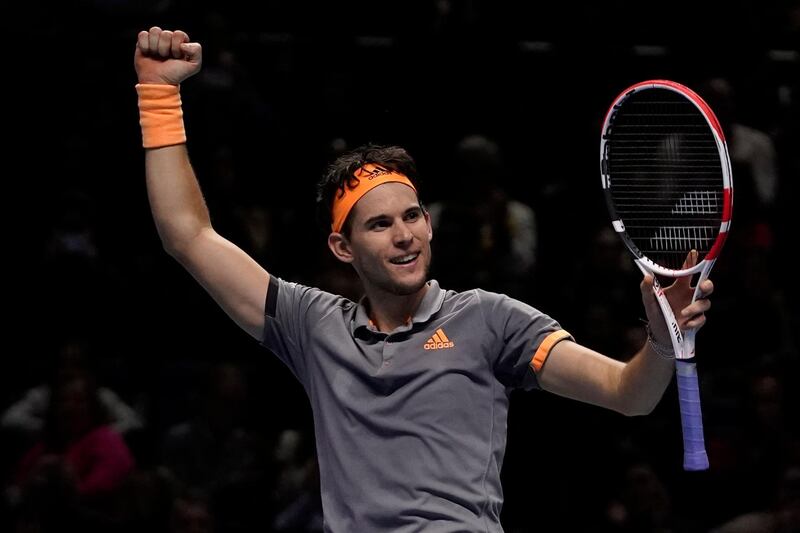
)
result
[(694, 448)]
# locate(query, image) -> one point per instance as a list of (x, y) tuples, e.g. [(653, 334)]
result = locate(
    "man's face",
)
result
[(390, 240)]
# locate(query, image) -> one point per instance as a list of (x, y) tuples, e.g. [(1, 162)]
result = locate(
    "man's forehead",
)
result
[(386, 199)]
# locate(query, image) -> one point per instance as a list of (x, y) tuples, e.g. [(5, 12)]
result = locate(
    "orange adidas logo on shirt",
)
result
[(438, 341)]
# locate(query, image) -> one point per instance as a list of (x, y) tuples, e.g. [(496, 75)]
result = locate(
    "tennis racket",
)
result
[(667, 180)]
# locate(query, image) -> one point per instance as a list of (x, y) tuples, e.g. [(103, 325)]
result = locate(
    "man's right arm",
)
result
[(235, 281)]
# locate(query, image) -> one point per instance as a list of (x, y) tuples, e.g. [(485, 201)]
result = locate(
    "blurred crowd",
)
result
[(131, 403)]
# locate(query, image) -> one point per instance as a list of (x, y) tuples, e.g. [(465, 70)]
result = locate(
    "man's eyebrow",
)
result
[(376, 218), (383, 216)]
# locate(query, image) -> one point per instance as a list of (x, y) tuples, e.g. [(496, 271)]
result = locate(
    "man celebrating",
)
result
[(410, 386)]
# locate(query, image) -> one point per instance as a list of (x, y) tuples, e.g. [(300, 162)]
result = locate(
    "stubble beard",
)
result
[(401, 289)]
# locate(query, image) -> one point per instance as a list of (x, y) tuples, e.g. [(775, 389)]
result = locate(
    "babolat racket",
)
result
[(667, 181)]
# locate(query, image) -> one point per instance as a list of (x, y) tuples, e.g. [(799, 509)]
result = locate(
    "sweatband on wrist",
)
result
[(160, 115), (367, 177)]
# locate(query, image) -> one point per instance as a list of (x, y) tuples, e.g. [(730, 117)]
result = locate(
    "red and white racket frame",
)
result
[(683, 342)]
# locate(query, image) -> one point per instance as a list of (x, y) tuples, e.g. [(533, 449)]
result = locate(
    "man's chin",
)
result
[(405, 288)]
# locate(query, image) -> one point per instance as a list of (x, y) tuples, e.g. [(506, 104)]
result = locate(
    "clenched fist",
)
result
[(166, 57)]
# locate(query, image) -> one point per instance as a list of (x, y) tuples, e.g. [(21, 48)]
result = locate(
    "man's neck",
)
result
[(388, 311)]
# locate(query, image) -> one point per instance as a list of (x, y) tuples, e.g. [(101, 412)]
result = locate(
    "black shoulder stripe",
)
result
[(272, 297)]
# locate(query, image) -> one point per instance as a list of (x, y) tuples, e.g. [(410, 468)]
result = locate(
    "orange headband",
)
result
[(369, 176)]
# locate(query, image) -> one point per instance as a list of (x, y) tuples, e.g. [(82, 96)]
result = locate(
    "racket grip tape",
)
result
[(694, 450)]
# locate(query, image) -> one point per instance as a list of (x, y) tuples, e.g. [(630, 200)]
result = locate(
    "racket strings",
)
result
[(665, 176), (679, 239)]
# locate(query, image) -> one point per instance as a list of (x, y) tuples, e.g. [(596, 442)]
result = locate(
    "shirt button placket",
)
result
[(388, 352)]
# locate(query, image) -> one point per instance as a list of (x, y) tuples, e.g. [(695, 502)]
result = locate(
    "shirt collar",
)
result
[(431, 304)]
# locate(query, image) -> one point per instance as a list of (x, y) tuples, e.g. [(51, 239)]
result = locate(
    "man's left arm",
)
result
[(635, 387)]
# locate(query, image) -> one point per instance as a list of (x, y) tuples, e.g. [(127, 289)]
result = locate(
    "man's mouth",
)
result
[(404, 259)]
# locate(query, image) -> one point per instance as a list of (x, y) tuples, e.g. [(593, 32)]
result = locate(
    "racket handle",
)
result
[(694, 448)]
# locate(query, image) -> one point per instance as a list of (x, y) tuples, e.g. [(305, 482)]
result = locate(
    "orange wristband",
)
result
[(160, 115)]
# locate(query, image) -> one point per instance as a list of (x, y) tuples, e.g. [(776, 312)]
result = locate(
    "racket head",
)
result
[(666, 176)]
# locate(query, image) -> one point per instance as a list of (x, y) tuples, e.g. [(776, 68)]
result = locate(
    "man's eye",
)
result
[(412, 216)]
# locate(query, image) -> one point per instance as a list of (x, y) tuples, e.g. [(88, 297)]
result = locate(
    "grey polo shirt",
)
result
[(410, 425)]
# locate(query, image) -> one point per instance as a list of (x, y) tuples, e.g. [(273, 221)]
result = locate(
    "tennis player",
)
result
[(409, 387)]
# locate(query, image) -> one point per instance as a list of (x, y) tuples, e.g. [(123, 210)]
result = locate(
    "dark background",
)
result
[(284, 86)]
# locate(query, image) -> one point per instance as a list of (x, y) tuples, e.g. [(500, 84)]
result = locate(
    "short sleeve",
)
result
[(524, 337), (292, 310)]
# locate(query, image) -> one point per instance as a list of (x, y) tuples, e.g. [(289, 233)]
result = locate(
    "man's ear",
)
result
[(340, 247), (429, 223)]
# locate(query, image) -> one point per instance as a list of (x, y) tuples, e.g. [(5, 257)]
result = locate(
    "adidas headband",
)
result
[(369, 176)]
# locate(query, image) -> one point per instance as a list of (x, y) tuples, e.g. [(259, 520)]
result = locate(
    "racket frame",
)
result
[(683, 342)]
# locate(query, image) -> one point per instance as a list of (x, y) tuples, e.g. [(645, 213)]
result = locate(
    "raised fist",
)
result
[(166, 57)]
